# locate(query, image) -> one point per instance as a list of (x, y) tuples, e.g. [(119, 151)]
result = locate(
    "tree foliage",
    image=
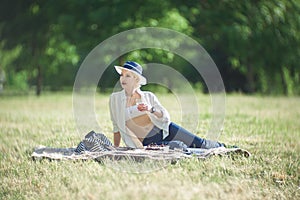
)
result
[(255, 44)]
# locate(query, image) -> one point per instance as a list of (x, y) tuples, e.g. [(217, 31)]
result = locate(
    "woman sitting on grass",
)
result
[(139, 118)]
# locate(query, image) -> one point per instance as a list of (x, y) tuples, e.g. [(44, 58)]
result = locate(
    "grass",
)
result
[(266, 126)]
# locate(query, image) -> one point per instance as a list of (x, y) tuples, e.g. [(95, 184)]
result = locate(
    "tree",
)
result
[(251, 41), (254, 43)]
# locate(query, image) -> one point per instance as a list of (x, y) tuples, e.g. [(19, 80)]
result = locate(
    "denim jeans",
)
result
[(177, 133)]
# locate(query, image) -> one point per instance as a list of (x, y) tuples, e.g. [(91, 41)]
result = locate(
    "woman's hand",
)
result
[(143, 107), (146, 107)]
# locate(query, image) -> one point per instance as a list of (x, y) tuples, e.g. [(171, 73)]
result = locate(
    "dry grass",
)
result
[(267, 126)]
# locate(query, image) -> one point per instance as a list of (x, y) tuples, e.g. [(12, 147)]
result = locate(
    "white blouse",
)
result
[(117, 105)]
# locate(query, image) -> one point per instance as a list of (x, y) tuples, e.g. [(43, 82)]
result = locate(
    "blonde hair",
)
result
[(137, 78)]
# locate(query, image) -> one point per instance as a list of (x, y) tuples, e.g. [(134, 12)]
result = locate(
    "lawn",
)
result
[(266, 126)]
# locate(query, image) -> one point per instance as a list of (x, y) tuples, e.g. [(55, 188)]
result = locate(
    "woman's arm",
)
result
[(117, 139), (159, 111)]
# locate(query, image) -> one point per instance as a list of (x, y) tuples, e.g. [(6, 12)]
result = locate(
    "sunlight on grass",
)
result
[(266, 126)]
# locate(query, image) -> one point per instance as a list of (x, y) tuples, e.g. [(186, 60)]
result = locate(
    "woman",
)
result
[(139, 118)]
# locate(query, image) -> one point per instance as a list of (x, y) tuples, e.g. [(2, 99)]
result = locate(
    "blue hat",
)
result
[(133, 67)]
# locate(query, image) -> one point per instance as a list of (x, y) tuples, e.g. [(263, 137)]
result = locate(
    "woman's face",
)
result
[(128, 80)]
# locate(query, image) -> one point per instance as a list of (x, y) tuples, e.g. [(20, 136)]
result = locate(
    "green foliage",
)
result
[(156, 88), (61, 65), (18, 81), (292, 82), (251, 42)]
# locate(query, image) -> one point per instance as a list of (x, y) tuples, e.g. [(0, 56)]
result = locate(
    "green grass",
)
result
[(266, 126)]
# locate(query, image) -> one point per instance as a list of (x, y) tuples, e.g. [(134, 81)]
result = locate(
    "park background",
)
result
[(255, 45)]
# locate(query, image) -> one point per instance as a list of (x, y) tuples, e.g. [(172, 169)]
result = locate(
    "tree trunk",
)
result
[(39, 80), (250, 79)]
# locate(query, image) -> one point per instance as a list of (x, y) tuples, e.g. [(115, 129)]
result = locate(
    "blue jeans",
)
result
[(155, 136)]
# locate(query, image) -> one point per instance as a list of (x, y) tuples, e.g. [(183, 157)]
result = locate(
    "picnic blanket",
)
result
[(97, 146), (159, 153)]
